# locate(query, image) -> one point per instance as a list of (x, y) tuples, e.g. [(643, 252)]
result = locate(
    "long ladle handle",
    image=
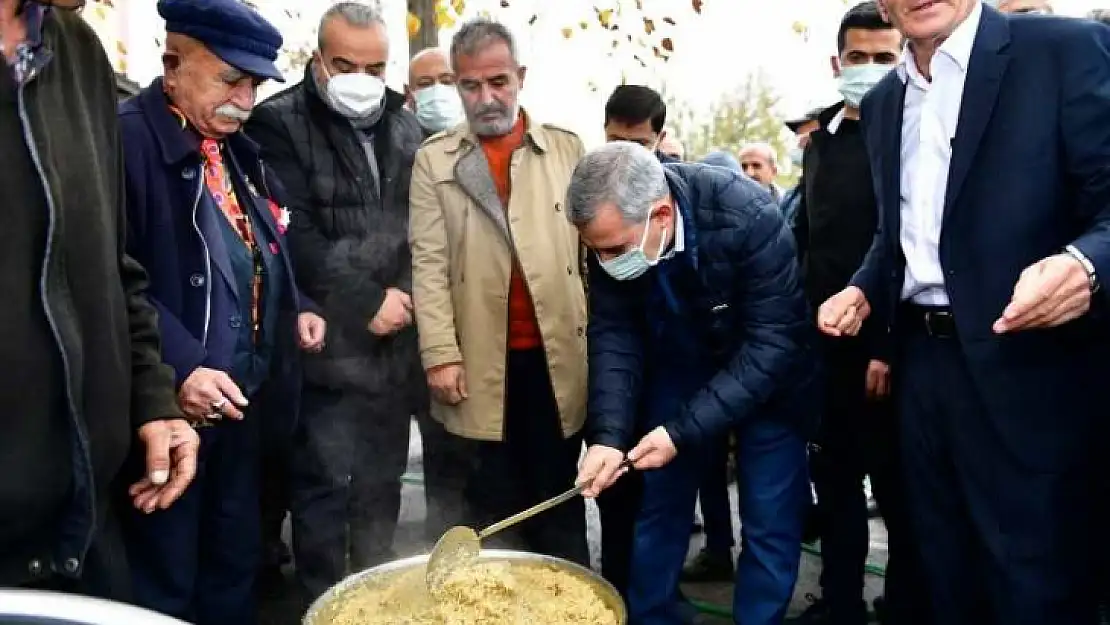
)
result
[(541, 507)]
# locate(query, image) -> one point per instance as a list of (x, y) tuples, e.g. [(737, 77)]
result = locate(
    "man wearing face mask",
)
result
[(698, 328), (343, 145), (835, 224), (431, 92), (206, 218), (801, 127), (83, 380)]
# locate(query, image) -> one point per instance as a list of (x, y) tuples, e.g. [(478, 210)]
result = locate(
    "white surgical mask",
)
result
[(438, 107), (796, 154), (857, 80), (355, 96), (634, 263)]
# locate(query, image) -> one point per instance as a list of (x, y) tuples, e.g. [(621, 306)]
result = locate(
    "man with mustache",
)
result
[(82, 375), (987, 272), (498, 297), (206, 217)]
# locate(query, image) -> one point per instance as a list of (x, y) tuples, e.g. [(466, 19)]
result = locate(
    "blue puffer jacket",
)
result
[(749, 310)]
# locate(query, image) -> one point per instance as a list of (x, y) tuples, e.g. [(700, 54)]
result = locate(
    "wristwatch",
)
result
[(1088, 266)]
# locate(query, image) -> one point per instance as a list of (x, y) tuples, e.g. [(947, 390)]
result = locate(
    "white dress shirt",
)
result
[(931, 112)]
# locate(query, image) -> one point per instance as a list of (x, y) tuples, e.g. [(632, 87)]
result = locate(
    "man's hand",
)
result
[(171, 464), (844, 313), (394, 314), (210, 394), (1049, 293), (878, 380), (448, 383), (655, 450), (600, 469), (311, 330)]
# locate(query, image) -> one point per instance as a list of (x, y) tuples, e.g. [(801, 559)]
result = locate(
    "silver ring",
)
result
[(216, 405), (215, 416)]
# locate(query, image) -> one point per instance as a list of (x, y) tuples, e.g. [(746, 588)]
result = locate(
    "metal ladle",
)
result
[(460, 545)]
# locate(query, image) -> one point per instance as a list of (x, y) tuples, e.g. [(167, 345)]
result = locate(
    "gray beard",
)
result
[(499, 128)]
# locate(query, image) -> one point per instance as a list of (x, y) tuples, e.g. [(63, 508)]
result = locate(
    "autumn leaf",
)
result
[(649, 26), (669, 21), (604, 17), (639, 5), (697, 6), (459, 6), (121, 48), (639, 60), (568, 33), (412, 23), (667, 44), (504, 4), (532, 20), (583, 25)]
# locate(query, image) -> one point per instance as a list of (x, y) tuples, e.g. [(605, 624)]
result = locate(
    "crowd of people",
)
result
[(226, 313)]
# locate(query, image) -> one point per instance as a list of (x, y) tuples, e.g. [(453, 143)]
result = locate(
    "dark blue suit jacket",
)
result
[(178, 240), (1030, 173)]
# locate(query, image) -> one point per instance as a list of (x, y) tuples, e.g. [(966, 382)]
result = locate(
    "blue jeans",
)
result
[(773, 484)]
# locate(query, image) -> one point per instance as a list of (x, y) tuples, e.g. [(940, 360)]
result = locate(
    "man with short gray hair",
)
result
[(760, 164), (698, 329), (499, 299), (343, 144)]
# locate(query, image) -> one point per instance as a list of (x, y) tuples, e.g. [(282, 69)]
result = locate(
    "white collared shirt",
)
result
[(834, 123), (931, 112)]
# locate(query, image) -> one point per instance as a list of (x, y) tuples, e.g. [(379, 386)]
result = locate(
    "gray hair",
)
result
[(763, 149), (479, 33), (357, 14), (621, 173)]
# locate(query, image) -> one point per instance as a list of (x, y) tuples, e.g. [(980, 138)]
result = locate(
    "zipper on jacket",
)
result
[(67, 366), (207, 261)]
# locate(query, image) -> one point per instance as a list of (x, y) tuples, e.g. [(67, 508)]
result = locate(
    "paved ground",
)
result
[(280, 609)]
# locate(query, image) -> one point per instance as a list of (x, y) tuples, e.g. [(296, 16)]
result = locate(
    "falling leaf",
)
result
[(667, 44), (121, 48), (697, 6), (567, 33), (532, 20), (639, 5), (583, 25), (669, 21), (605, 17), (639, 60), (412, 23), (649, 26), (656, 52), (504, 4), (616, 43), (799, 28), (459, 6)]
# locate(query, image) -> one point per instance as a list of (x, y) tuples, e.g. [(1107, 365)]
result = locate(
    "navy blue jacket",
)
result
[(181, 246), (751, 315), (1029, 174)]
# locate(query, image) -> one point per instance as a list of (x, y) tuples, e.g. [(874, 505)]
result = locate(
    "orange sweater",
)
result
[(524, 332)]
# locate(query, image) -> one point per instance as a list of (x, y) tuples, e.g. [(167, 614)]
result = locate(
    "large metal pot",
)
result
[(318, 614), (37, 607)]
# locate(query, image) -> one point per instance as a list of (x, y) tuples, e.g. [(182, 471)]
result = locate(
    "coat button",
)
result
[(35, 567), (569, 271), (72, 565), (558, 207), (196, 280), (581, 332), (236, 321), (188, 173)]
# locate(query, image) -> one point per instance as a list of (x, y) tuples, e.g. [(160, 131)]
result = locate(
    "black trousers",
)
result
[(858, 437), (1001, 542), (534, 462), (443, 483), (349, 453), (617, 508)]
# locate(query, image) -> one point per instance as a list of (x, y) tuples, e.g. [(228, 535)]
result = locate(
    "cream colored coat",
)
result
[(463, 243)]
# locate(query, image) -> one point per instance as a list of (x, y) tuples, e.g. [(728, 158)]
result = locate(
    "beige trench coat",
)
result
[(463, 244)]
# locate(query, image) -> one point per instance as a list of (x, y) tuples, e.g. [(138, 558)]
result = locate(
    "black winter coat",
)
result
[(750, 312), (348, 246)]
